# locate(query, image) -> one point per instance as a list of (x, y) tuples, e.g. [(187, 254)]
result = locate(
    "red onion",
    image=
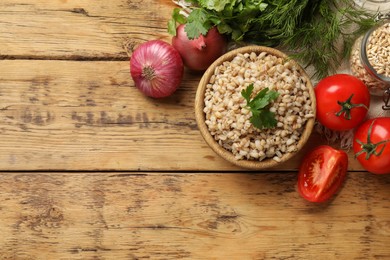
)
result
[(199, 53), (156, 68)]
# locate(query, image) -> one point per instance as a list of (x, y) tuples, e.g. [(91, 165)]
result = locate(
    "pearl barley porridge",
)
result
[(227, 117)]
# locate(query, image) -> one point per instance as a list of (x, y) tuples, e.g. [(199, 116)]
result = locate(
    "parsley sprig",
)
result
[(261, 117)]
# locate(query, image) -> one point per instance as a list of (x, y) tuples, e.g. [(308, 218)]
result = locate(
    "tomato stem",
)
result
[(370, 148), (346, 107)]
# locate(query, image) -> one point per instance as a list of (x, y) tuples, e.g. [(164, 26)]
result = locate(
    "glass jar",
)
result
[(370, 59), (374, 5)]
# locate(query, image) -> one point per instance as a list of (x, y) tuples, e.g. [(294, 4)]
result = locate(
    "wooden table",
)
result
[(92, 169)]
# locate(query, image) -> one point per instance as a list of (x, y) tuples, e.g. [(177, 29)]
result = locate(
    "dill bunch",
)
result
[(320, 33)]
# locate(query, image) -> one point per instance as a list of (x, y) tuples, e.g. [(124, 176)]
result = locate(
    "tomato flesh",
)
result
[(322, 172)]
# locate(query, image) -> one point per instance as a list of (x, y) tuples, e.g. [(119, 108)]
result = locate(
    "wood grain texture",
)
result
[(69, 107), (79, 29), (189, 216), (71, 115), (68, 102)]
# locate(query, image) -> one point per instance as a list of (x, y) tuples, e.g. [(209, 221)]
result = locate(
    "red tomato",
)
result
[(322, 172), (371, 145), (342, 102)]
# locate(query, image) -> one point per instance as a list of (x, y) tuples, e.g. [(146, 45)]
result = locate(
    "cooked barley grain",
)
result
[(227, 116)]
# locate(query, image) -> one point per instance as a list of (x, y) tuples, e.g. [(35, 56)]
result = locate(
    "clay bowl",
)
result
[(266, 163)]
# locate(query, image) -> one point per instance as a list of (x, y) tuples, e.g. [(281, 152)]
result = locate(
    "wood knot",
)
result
[(129, 46), (55, 214), (227, 217), (134, 4), (80, 11), (51, 218)]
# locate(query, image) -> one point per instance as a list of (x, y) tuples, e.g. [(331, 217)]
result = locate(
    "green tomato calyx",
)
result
[(347, 106), (370, 148)]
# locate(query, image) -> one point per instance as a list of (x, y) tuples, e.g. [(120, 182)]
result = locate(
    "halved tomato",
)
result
[(322, 173)]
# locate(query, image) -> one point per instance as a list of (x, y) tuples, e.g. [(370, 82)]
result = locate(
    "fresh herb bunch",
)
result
[(261, 117), (316, 32)]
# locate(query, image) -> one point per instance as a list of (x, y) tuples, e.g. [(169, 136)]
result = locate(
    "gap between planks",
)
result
[(65, 58)]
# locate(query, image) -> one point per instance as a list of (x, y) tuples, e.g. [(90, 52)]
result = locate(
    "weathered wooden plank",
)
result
[(70, 115), (79, 29), (193, 216)]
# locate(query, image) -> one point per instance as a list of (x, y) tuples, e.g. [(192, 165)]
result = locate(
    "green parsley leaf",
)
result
[(224, 28), (172, 27), (217, 5), (246, 93), (197, 23), (261, 116), (260, 102), (177, 17), (264, 119)]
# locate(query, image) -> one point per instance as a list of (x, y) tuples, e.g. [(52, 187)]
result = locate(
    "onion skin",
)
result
[(156, 68), (198, 54)]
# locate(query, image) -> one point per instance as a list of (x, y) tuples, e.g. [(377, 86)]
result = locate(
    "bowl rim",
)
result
[(209, 139)]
